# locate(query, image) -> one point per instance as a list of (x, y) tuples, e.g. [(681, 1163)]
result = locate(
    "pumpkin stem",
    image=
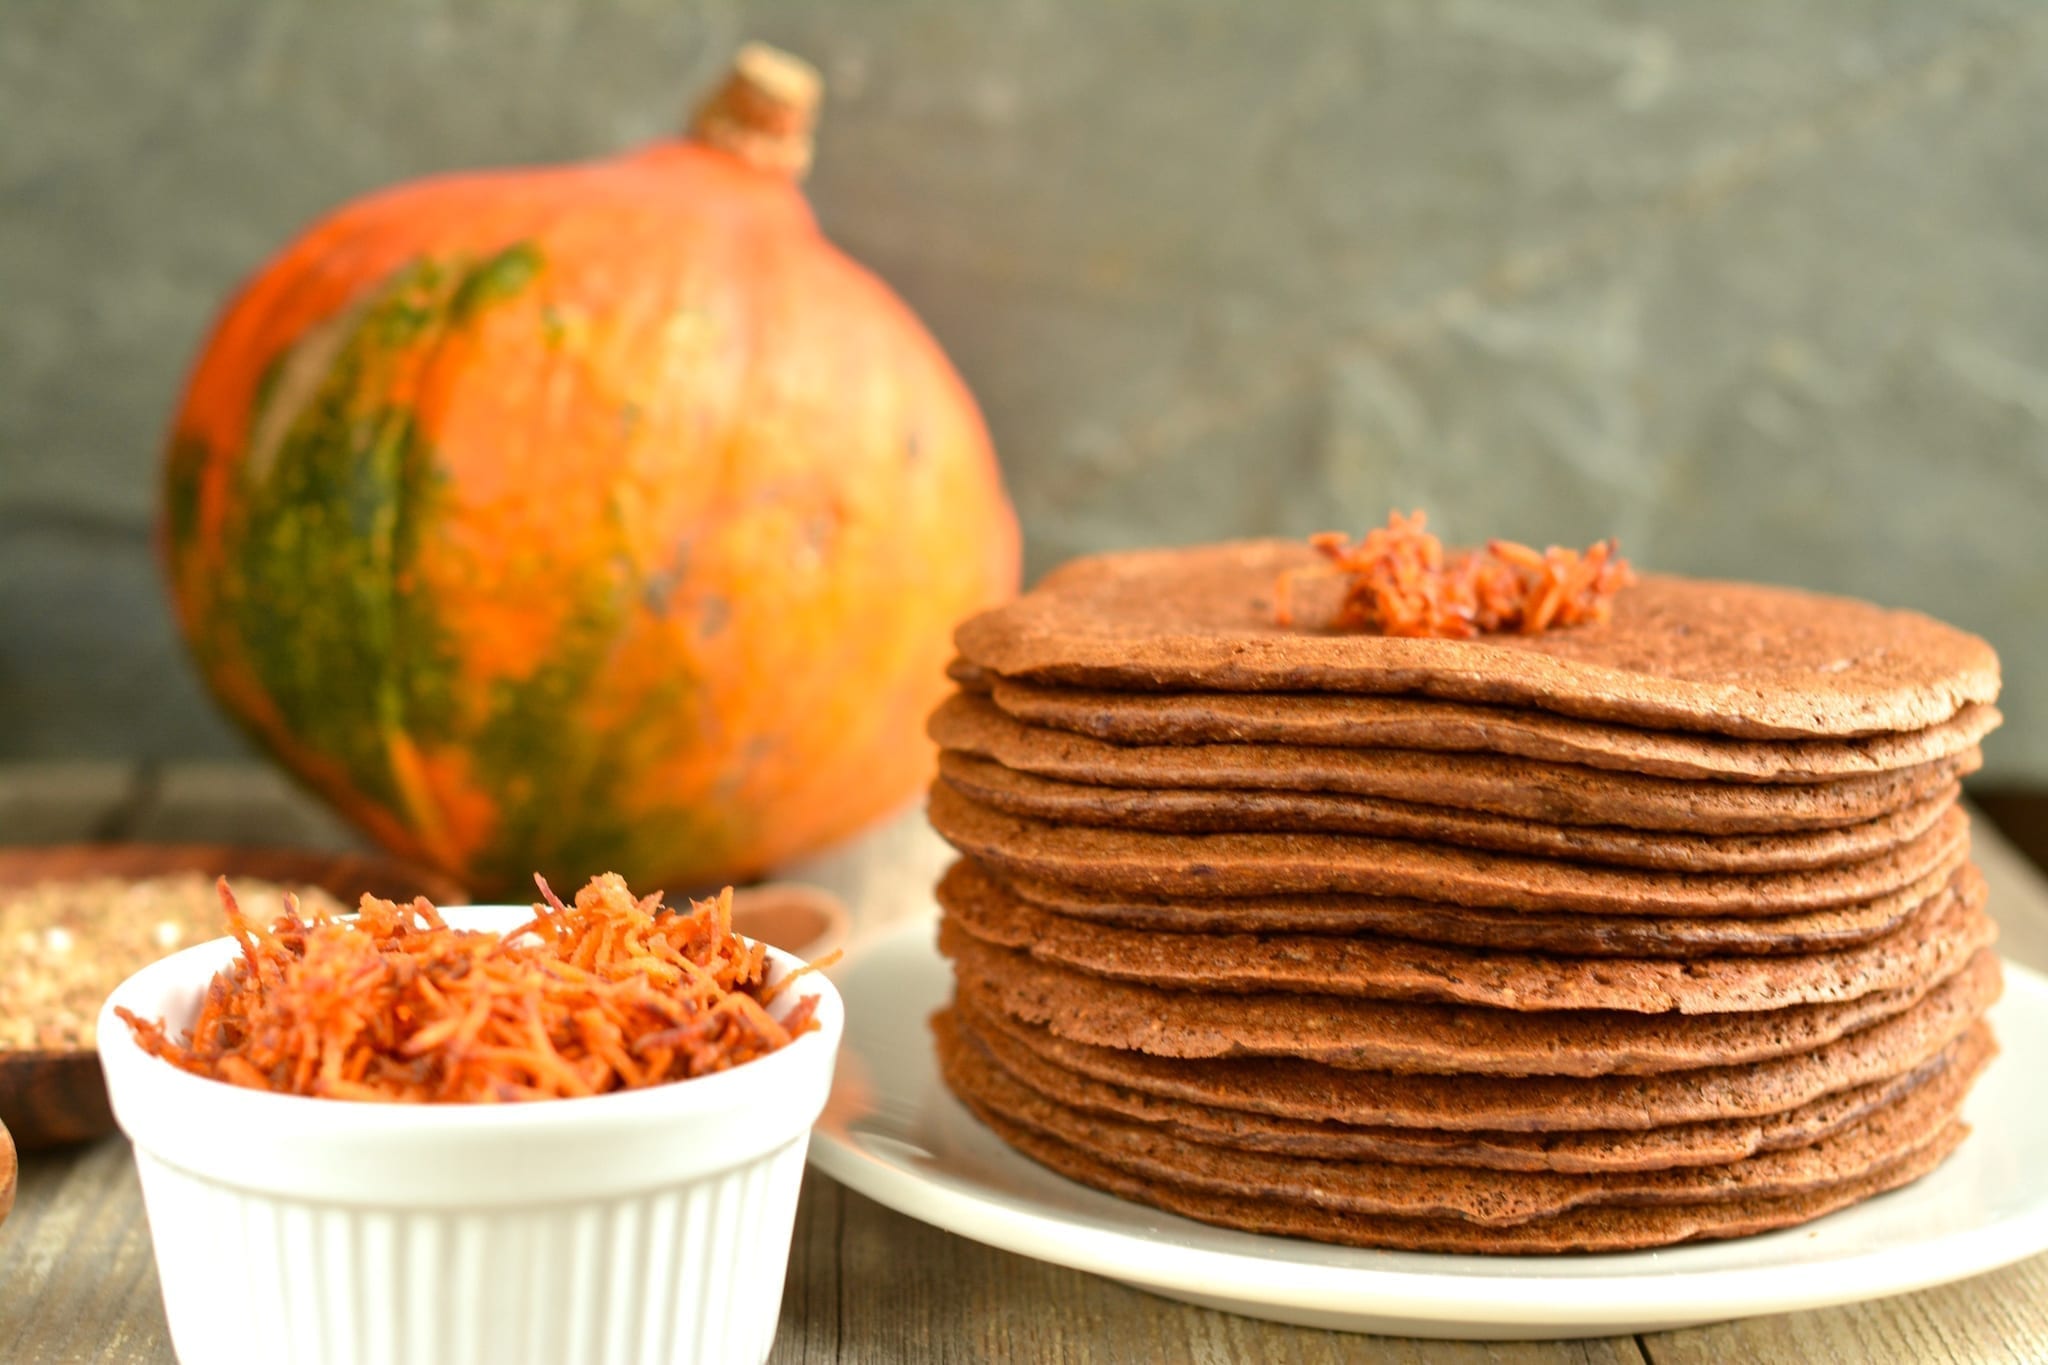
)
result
[(765, 111)]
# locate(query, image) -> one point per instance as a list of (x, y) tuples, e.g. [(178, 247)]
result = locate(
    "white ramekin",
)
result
[(652, 1225)]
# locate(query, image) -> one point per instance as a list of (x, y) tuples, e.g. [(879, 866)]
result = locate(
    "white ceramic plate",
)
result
[(893, 1133)]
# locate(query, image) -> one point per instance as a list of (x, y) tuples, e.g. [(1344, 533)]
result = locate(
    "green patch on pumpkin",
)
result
[(322, 599), (266, 384), (494, 280), (563, 789), (321, 590), (554, 326)]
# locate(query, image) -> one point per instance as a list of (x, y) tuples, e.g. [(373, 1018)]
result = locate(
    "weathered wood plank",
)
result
[(909, 1292), (75, 1261), (1994, 1319), (243, 803), (808, 1331), (58, 803)]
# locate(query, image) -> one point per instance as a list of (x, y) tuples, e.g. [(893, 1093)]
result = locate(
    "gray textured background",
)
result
[(1763, 288)]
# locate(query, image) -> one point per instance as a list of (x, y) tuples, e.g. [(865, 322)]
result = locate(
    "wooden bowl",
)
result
[(8, 1167), (57, 1095), (803, 920)]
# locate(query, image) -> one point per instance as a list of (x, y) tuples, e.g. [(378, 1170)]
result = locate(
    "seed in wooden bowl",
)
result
[(65, 945)]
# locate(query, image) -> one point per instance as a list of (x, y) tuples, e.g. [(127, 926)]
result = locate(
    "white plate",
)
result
[(893, 1133)]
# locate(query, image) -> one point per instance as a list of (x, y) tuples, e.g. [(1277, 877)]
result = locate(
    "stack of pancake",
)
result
[(1605, 937)]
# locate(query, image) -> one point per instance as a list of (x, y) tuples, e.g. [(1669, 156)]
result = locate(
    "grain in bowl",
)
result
[(66, 942)]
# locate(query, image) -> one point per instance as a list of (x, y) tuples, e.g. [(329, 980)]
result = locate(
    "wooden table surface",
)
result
[(77, 1282)]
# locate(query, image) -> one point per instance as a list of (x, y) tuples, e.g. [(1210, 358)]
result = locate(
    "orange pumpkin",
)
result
[(586, 518)]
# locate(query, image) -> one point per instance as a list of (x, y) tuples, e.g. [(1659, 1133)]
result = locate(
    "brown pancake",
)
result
[(1727, 658), (1935, 940), (1290, 1089), (1174, 810), (1326, 719), (969, 677), (1401, 1035), (1585, 1230), (1550, 793), (1713, 1142), (1490, 1197), (1478, 927), (1202, 865)]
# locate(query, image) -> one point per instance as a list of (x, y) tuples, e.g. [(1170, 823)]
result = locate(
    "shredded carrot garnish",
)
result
[(390, 1004), (1402, 582)]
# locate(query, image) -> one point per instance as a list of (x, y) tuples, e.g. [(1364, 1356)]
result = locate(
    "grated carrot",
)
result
[(1400, 581), (612, 993)]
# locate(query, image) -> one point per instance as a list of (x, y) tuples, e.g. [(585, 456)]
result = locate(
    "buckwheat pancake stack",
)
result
[(1606, 937)]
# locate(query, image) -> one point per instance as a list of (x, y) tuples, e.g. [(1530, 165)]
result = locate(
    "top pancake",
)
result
[(1735, 659)]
